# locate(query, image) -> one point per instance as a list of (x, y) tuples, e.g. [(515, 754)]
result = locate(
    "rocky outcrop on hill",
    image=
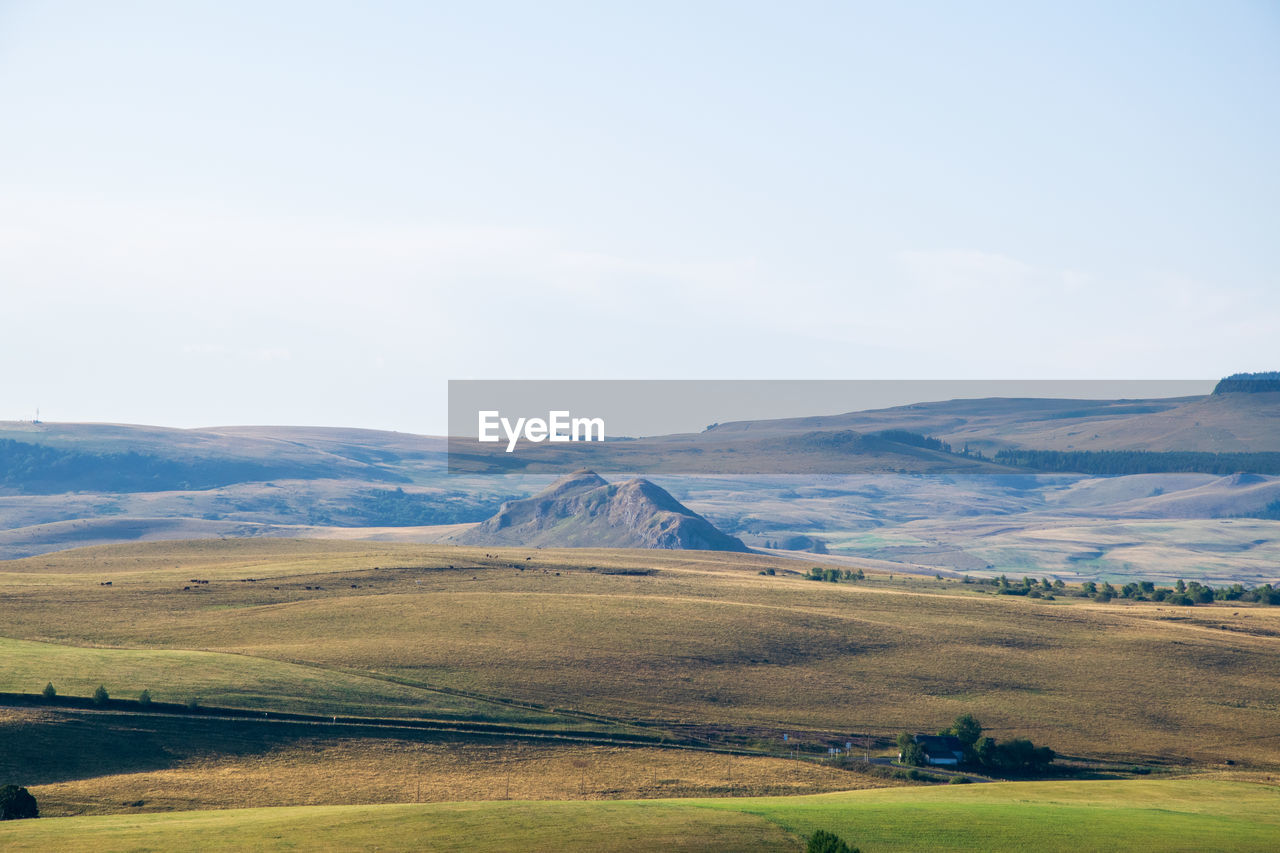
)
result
[(582, 509)]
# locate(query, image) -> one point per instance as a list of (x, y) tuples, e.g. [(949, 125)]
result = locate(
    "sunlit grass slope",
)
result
[(667, 638), (234, 681), (1065, 816)]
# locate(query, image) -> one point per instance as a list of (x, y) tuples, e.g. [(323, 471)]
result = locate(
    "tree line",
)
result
[(1181, 593), (1249, 383), (911, 439), (1115, 463)]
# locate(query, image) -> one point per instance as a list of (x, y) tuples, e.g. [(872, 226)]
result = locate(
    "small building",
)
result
[(940, 750)]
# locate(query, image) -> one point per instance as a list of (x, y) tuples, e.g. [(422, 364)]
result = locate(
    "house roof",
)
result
[(944, 745)]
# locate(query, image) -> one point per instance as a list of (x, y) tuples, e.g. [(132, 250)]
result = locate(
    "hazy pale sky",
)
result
[(317, 213)]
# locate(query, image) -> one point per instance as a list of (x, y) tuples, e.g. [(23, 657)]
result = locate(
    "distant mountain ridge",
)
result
[(1241, 416), (583, 509), (64, 484), (52, 458)]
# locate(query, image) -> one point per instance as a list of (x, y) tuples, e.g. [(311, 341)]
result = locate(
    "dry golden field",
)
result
[(685, 643), (313, 771)]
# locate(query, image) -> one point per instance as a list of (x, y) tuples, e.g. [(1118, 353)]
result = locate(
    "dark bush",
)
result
[(100, 695), (17, 803), (1016, 756), (828, 842)]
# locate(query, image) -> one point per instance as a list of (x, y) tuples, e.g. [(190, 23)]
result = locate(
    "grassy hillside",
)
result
[(1070, 816), (1222, 423), (692, 643), (78, 762), (236, 681)]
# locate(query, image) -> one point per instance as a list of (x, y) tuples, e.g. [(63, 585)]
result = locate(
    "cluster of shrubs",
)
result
[(827, 842), (1181, 593), (1030, 587), (1016, 756), (835, 575), (916, 776)]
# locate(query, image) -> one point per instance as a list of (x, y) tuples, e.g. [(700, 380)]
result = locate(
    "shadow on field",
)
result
[(40, 746)]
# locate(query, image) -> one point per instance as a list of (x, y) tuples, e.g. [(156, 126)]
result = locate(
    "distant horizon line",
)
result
[(445, 434)]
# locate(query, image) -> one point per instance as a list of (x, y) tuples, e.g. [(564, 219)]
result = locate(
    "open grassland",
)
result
[(88, 762), (1050, 816), (687, 642), (103, 763), (237, 681)]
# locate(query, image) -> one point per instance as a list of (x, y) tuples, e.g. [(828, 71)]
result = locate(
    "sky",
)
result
[(318, 213)]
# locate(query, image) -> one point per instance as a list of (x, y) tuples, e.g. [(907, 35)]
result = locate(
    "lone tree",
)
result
[(49, 691), (17, 803), (100, 695), (910, 752), (828, 842), (144, 698), (967, 729)]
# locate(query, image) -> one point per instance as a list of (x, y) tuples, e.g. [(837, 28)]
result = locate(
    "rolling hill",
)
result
[(1217, 423), (312, 694)]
